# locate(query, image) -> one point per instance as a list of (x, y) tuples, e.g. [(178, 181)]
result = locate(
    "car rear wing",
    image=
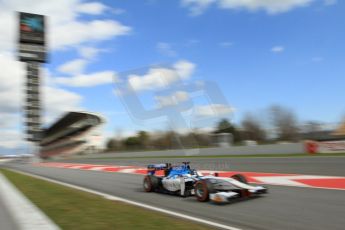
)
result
[(151, 169)]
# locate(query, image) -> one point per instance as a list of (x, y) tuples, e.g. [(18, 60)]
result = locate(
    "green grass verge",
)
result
[(73, 209), (226, 156)]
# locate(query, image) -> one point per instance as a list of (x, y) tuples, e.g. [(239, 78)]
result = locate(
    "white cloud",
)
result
[(8, 120), (57, 101), (89, 52), (166, 49), (11, 139), (73, 67), (88, 80), (77, 66), (91, 8), (155, 78), (277, 49), (161, 77), (75, 33), (12, 78), (7, 31), (181, 96), (11, 100), (212, 110), (270, 6), (197, 7), (171, 100), (184, 68)]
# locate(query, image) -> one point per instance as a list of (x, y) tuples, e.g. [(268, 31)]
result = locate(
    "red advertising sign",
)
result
[(324, 146)]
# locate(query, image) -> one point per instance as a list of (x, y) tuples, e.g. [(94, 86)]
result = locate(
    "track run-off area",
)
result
[(304, 193)]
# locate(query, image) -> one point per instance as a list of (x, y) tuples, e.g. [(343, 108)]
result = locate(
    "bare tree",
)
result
[(285, 123), (144, 138), (165, 140), (311, 130), (253, 129), (111, 145), (312, 127), (224, 126), (195, 139)]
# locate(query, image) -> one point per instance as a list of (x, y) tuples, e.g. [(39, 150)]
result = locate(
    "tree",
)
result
[(224, 126), (202, 139), (188, 140), (132, 142), (285, 123), (252, 128), (111, 144), (144, 138)]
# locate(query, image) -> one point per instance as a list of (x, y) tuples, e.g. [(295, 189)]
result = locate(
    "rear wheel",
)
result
[(152, 183), (201, 191), (240, 178), (147, 184)]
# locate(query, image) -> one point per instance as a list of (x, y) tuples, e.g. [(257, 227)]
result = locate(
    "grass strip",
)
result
[(73, 209)]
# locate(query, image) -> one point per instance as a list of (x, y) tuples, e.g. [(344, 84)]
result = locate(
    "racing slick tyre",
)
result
[(240, 178), (151, 183), (202, 190), (147, 184)]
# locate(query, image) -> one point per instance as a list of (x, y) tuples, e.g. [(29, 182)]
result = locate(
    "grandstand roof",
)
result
[(69, 119)]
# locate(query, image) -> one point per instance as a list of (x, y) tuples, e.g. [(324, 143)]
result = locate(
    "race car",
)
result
[(184, 181)]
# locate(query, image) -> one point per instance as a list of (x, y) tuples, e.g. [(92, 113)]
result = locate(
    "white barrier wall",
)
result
[(288, 148)]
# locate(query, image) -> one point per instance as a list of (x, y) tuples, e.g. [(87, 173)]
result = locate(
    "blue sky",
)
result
[(290, 53)]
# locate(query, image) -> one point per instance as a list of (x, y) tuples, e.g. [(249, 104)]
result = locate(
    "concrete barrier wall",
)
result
[(235, 150)]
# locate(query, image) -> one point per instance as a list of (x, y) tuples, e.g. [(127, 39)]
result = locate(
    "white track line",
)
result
[(116, 198)]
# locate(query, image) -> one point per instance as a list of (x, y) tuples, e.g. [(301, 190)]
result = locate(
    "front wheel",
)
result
[(201, 191)]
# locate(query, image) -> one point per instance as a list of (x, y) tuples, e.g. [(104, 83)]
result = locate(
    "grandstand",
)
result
[(74, 133)]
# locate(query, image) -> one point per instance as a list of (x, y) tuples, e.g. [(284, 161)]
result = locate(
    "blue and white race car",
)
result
[(183, 181)]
